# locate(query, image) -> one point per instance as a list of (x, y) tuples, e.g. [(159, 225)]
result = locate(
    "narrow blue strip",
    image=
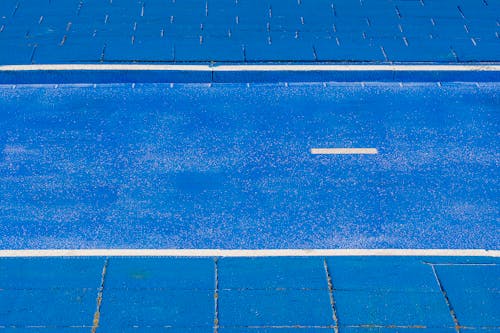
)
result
[(210, 76)]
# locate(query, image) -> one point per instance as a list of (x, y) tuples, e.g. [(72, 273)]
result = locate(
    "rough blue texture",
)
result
[(403, 308), (47, 307), (400, 292), (229, 166), (289, 307), (69, 31), (474, 292), (269, 273), (152, 307), (309, 294), (140, 273), (218, 75), (364, 273), (28, 273)]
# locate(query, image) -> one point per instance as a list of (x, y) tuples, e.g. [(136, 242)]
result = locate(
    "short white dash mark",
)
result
[(344, 151)]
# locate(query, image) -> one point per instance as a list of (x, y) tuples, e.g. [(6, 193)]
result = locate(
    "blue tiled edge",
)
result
[(210, 76)]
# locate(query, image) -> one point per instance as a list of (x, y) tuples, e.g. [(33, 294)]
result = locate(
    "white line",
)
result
[(344, 151), (246, 68), (246, 253)]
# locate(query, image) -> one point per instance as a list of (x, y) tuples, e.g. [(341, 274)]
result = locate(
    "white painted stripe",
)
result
[(246, 68), (247, 253), (344, 151)]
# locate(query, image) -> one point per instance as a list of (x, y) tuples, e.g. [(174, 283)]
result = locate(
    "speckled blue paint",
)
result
[(228, 166), (90, 31)]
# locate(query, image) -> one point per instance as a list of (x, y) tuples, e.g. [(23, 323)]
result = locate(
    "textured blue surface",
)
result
[(47, 307), (308, 294), (219, 75), (473, 290), (229, 166), (364, 273), (152, 307), (139, 273), (275, 308), (269, 273), (69, 31), (404, 308), (63, 273)]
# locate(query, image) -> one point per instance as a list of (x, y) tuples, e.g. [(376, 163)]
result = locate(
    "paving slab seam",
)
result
[(447, 300), (216, 295), (330, 294), (97, 314)]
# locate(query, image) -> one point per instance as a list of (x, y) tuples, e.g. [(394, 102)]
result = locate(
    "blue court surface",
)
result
[(231, 166), (241, 166)]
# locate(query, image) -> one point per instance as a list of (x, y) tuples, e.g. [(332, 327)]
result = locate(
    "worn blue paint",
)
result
[(49, 292), (402, 308), (282, 294), (47, 307), (141, 273), (398, 291), (228, 166), (474, 292), (272, 273), (218, 75), (275, 330), (29, 273), (402, 330), (45, 330), (289, 307), (156, 307), (400, 273), (471, 277), (93, 31)]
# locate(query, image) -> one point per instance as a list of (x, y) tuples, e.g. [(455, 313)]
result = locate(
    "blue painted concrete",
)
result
[(474, 292), (141, 273), (403, 308), (29, 273), (403, 330), (90, 31), (45, 330), (272, 273), (364, 273), (218, 75), (47, 307), (156, 307), (275, 308), (401, 292), (228, 166), (282, 295)]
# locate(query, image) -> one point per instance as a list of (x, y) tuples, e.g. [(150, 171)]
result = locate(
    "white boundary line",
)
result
[(245, 68), (246, 253)]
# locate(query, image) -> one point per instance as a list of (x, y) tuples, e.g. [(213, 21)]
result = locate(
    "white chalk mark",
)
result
[(344, 151)]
